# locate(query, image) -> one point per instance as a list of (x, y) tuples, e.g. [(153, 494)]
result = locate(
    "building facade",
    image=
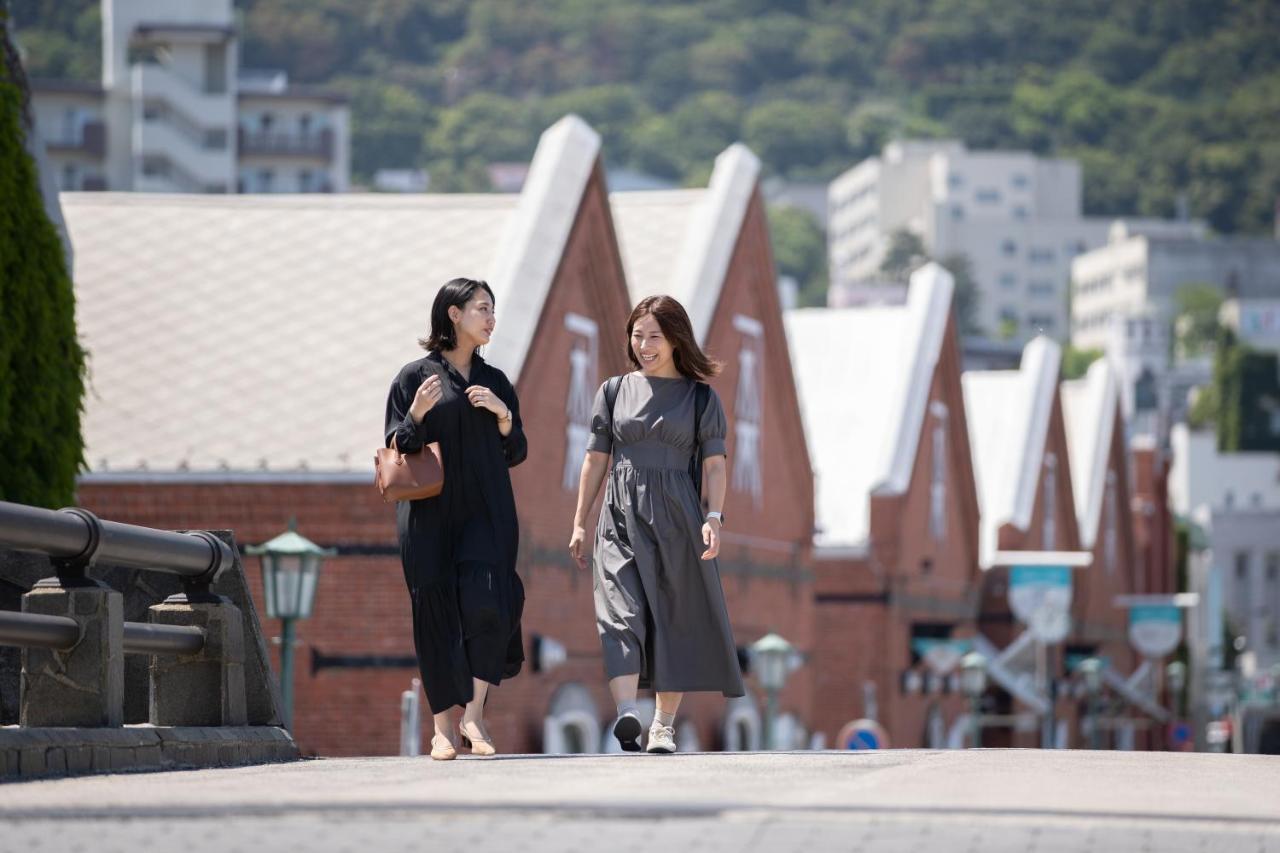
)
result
[(175, 112), (300, 306), (1123, 301), (1015, 216), (1234, 499), (895, 555)]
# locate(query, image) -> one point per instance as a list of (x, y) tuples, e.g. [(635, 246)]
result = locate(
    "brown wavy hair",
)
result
[(690, 360)]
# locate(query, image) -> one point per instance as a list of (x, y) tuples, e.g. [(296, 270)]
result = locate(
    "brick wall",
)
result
[(362, 608)]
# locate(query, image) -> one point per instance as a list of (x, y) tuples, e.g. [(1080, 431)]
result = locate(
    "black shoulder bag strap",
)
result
[(611, 386), (701, 396)]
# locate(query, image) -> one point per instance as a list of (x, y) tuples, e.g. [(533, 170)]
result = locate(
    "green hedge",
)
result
[(42, 365)]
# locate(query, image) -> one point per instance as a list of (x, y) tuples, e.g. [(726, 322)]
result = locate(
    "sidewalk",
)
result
[(983, 800)]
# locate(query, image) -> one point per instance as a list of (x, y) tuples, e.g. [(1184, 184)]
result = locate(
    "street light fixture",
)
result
[(1175, 679), (290, 572), (973, 680), (1091, 672), (771, 659)]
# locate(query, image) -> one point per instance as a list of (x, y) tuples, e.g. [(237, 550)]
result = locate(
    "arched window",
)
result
[(1109, 535), (938, 477), (1049, 530)]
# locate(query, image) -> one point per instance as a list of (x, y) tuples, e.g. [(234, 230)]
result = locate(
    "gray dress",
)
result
[(659, 606)]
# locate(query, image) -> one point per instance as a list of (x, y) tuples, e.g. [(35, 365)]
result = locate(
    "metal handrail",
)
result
[(62, 633), (76, 537)]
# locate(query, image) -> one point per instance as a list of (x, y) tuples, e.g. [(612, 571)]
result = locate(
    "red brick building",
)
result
[(242, 348), (897, 541)]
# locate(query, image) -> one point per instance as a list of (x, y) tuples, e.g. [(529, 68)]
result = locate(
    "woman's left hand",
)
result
[(482, 398), (711, 538)]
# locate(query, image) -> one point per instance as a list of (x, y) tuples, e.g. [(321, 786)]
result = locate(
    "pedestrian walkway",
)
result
[(979, 800)]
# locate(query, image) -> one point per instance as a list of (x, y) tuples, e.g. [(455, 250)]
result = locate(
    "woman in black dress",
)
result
[(459, 548)]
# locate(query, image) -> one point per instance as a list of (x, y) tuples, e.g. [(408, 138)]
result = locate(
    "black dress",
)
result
[(459, 549)]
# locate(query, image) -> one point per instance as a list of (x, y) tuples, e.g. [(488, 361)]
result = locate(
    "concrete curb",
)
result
[(45, 753)]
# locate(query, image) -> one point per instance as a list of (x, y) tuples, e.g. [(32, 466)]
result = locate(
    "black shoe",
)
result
[(627, 730)]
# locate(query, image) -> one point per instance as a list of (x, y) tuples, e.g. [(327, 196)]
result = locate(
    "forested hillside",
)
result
[(1156, 98)]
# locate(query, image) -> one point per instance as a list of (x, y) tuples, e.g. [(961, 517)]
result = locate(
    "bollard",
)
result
[(411, 720), (82, 685), (205, 688)]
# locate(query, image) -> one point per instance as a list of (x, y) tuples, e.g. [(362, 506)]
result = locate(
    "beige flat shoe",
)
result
[(477, 740), (442, 749)]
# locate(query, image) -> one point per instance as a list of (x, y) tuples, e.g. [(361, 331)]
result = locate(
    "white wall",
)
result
[(1201, 476)]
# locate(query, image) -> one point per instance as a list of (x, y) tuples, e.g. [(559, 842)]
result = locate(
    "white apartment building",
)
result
[(1235, 498), (174, 112), (1016, 216), (1122, 302), (1144, 263)]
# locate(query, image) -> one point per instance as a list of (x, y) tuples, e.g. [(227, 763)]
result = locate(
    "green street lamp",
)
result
[(1091, 672), (771, 660), (290, 572), (973, 680)]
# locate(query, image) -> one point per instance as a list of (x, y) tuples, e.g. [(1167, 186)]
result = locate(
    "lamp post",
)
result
[(1175, 679), (771, 657), (290, 571), (1091, 672), (973, 680)]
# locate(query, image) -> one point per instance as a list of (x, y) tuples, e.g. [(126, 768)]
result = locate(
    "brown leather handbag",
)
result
[(408, 476)]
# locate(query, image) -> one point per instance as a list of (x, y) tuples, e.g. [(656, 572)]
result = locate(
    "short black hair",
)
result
[(458, 291)]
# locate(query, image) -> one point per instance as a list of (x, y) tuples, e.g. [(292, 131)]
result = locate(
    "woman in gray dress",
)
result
[(659, 606)]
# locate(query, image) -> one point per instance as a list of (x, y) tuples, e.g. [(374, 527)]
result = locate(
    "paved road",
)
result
[(909, 800)]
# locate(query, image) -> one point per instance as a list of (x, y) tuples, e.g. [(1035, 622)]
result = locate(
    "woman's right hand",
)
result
[(428, 394), (577, 544)]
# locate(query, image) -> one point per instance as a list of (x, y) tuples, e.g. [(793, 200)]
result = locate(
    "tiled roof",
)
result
[(863, 377), (259, 333), (1088, 410), (680, 242), (1008, 413)]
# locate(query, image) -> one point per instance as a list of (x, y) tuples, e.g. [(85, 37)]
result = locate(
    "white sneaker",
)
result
[(661, 739)]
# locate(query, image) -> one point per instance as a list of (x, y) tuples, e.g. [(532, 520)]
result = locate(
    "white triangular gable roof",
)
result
[(529, 253), (680, 242), (863, 376), (1089, 410), (1008, 413), (255, 336)]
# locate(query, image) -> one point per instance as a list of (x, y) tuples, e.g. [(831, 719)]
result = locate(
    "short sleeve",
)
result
[(601, 439), (712, 428)]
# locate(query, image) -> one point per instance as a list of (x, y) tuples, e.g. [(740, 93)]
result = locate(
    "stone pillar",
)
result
[(84, 685), (207, 688)]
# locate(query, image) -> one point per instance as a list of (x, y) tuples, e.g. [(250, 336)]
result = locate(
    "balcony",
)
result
[(90, 138), (265, 143)]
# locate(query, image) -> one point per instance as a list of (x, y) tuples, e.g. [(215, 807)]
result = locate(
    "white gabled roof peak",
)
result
[(1008, 412), (1089, 407), (864, 376), (713, 233), (529, 253)]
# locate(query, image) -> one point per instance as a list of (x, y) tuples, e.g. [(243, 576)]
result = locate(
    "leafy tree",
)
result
[(1075, 362), (790, 136), (965, 299), (41, 362), (1197, 307), (906, 252), (1157, 100), (800, 251)]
